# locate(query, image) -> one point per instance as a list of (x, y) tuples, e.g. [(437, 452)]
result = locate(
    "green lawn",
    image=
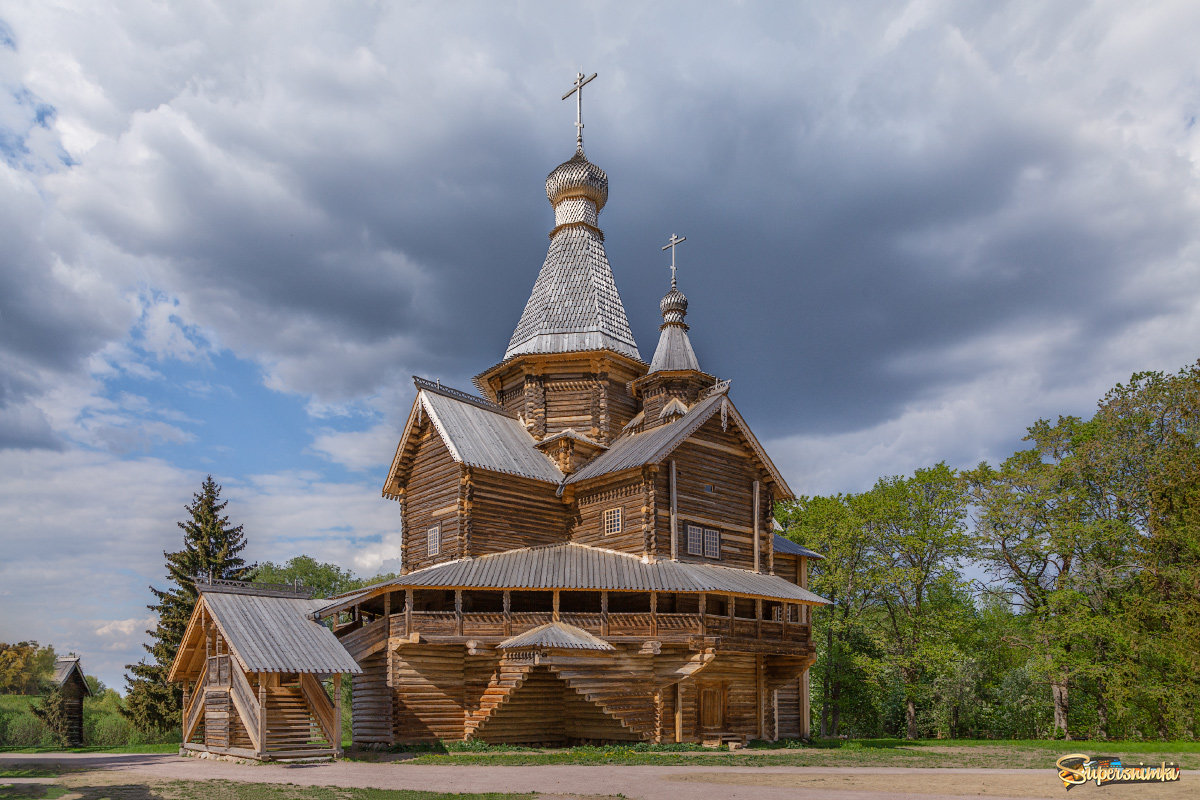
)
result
[(128, 748), (852, 753)]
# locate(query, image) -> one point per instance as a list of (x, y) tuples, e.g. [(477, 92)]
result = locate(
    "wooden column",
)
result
[(805, 707), (604, 613), (654, 613), (732, 607), (262, 714), (775, 715), (458, 615), (507, 612), (408, 610), (387, 615), (337, 713), (757, 544), (759, 681), (758, 618), (674, 516), (555, 600), (679, 712)]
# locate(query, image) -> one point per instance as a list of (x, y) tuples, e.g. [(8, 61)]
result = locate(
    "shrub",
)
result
[(26, 730)]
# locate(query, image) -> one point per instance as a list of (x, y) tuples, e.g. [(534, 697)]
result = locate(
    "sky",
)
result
[(231, 233)]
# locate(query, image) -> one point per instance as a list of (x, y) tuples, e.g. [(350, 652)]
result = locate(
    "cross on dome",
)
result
[(577, 90), (671, 245)]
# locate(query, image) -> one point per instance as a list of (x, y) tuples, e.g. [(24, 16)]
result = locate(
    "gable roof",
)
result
[(556, 634), (639, 449), (269, 633), (477, 433), (784, 545), (574, 566), (66, 666)]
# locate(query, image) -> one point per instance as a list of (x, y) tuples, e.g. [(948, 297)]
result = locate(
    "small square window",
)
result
[(612, 521), (695, 540), (710, 488), (433, 541), (712, 543)]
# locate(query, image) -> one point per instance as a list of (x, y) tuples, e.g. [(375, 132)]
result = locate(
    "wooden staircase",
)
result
[(504, 683), (635, 712), (292, 731)]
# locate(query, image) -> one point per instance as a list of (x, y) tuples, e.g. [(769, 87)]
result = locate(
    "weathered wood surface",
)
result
[(431, 498), (371, 702)]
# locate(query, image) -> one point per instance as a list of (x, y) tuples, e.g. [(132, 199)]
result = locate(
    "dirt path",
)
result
[(634, 782)]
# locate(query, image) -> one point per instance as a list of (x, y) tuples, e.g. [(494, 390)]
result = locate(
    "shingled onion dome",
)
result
[(674, 351), (577, 177)]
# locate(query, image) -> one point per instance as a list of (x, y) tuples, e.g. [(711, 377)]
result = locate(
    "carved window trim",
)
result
[(612, 521), (433, 541)]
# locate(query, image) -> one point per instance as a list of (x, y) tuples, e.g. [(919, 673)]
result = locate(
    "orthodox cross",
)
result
[(577, 90), (675, 240)]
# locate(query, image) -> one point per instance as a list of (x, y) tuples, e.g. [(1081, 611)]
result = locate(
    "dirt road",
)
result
[(634, 782)]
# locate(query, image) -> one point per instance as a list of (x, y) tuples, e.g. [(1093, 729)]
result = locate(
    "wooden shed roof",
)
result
[(556, 634), (65, 667), (579, 567), (267, 633), (784, 545)]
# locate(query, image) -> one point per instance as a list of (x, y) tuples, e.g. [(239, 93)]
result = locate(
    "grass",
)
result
[(170, 747), (29, 772), (837, 753)]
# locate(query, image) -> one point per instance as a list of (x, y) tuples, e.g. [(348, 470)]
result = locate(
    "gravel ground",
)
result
[(634, 782)]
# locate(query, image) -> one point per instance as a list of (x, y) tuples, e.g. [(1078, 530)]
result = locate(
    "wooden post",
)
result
[(732, 606), (337, 713), (757, 544), (758, 618), (703, 612), (604, 613), (674, 516), (458, 615), (759, 680), (262, 714), (805, 707), (508, 612), (554, 595), (387, 615), (679, 712), (654, 613), (408, 612), (775, 715)]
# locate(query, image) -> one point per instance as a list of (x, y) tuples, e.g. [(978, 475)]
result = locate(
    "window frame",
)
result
[(605, 521), (712, 535), (433, 535), (699, 532)]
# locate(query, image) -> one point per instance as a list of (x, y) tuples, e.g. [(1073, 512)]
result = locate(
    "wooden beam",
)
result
[(262, 714), (604, 613), (758, 618), (679, 712), (674, 516), (507, 612), (654, 613), (757, 544), (759, 681), (408, 612), (805, 707), (555, 615), (337, 713), (458, 615)]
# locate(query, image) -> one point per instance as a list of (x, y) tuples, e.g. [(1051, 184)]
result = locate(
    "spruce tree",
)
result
[(211, 547)]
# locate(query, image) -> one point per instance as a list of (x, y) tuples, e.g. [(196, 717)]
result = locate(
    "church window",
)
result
[(695, 540), (712, 543), (433, 541), (612, 521)]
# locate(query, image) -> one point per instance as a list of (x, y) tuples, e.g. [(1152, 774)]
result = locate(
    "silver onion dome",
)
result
[(577, 177), (673, 306)]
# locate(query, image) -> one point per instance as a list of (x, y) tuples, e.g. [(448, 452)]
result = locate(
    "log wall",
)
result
[(431, 498), (428, 693), (626, 493), (507, 512), (371, 702)]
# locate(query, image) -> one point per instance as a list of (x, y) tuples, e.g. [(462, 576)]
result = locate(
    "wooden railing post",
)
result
[(604, 613)]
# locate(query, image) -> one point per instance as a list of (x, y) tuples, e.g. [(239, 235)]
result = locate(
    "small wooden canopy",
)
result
[(555, 635), (67, 669), (267, 631)]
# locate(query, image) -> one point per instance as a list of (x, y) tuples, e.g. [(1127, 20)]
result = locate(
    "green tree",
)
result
[(24, 666), (51, 709), (920, 526), (321, 578), (211, 548)]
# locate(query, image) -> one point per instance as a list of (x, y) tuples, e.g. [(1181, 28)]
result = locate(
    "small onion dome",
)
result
[(673, 306), (577, 177)]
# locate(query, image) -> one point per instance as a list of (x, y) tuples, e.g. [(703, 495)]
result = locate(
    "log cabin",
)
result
[(68, 678), (588, 541)]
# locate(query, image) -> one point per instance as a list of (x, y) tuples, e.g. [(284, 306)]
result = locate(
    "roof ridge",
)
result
[(424, 384)]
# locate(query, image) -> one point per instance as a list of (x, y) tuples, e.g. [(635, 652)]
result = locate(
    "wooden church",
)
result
[(588, 542)]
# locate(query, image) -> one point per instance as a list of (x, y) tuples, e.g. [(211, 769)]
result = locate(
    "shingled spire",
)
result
[(674, 351), (574, 305)]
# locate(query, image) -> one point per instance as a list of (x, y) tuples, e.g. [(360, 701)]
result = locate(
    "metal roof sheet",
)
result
[(278, 634), (785, 545), (579, 567), (556, 634), (479, 436)]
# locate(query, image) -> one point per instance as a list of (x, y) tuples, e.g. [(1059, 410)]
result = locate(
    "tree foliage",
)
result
[(24, 666), (1082, 621), (211, 548)]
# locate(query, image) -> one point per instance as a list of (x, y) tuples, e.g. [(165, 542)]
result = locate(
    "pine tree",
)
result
[(211, 547)]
